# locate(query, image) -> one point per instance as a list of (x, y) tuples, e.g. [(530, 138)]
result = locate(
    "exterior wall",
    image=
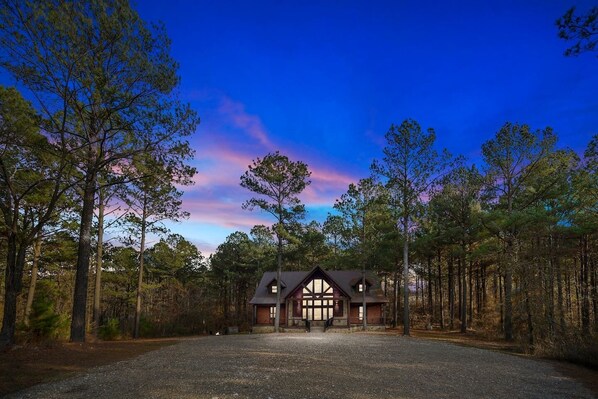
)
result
[(373, 313), (354, 315), (263, 315)]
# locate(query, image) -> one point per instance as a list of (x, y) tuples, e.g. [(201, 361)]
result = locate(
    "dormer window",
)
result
[(273, 286), (359, 287)]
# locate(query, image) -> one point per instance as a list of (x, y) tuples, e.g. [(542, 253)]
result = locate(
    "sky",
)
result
[(322, 81)]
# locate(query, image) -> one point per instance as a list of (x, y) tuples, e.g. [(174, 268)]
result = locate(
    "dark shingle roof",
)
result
[(345, 279), (264, 297)]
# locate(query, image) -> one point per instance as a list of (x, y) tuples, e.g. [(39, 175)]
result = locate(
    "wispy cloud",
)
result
[(235, 112), (222, 213), (230, 139)]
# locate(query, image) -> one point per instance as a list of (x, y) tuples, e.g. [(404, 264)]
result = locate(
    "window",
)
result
[(318, 300), (360, 315), (359, 287), (272, 312), (274, 289)]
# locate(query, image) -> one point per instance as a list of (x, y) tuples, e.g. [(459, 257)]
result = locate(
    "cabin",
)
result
[(319, 298)]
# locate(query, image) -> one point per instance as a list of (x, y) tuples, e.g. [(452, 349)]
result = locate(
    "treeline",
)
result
[(508, 247), (108, 128)]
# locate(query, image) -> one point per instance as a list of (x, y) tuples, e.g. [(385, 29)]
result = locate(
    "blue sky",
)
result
[(322, 81)]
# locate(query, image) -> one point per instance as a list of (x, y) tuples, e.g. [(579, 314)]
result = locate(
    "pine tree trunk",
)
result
[(460, 287), (363, 303), (37, 249), (508, 306), (577, 281), (141, 265), (83, 256), (508, 283), (440, 296), (451, 288), (585, 286), (98, 276), (395, 299), (470, 314), (15, 263), (594, 291), (406, 277), (559, 291), (463, 300), (417, 292), (278, 274), (550, 300), (430, 288)]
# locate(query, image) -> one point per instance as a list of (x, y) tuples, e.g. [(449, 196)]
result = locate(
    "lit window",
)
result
[(274, 288), (360, 313), (317, 286), (272, 312), (359, 287), (317, 300)]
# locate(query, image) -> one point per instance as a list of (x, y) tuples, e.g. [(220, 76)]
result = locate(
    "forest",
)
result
[(95, 165)]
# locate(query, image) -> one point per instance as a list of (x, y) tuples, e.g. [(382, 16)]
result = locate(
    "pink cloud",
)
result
[(222, 165), (230, 139), (331, 177), (251, 124), (226, 214)]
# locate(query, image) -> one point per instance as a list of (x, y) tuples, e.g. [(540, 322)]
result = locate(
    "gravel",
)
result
[(276, 366)]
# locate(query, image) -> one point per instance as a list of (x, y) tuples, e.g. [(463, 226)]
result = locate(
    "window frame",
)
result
[(317, 302)]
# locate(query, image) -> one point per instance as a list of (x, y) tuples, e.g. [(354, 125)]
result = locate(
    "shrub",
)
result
[(44, 321), (110, 330), (574, 348), (147, 329)]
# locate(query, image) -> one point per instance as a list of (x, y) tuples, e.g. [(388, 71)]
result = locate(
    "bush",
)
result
[(147, 329), (110, 330), (44, 321), (574, 348)]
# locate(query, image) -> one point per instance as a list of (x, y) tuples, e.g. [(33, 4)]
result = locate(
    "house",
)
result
[(319, 296)]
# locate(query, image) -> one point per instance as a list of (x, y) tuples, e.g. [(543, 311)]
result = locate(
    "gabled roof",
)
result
[(273, 281), (308, 277), (263, 296), (345, 280)]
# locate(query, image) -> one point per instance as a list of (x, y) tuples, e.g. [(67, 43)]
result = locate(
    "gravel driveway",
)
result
[(316, 366)]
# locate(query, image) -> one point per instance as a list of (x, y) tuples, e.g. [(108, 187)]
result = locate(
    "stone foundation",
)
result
[(356, 328), (334, 329), (270, 329)]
